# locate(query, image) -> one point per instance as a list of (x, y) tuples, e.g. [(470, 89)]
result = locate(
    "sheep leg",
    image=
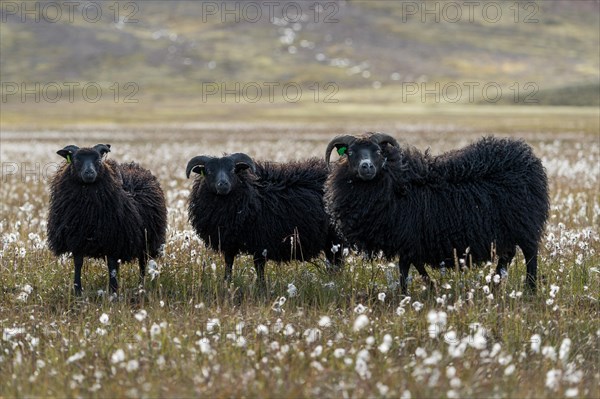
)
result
[(530, 254), (334, 259), (259, 265), (404, 268), (229, 266), (113, 271), (424, 275), (78, 261), (503, 262)]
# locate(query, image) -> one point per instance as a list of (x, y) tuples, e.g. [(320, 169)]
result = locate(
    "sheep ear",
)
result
[(102, 149), (341, 150), (198, 169), (241, 166), (242, 162), (196, 165), (341, 144), (67, 152)]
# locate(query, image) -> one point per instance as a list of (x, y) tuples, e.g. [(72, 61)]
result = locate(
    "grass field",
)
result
[(188, 334)]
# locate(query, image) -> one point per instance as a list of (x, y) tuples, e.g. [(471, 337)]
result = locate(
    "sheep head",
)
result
[(86, 162), (365, 154), (222, 174)]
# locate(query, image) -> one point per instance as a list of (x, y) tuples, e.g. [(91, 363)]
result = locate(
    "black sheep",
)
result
[(101, 209), (482, 200), (271, 211)]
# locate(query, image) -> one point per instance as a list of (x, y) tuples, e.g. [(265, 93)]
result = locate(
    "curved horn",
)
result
[(102, 148), (382, 138), (68, 151), (243, 161), (196, 162), (338, 142)]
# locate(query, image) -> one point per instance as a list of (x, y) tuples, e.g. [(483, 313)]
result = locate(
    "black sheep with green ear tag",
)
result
[(474, 203), (269, 210)]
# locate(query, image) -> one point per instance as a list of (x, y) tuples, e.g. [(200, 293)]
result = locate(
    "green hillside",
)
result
[(184, 55)]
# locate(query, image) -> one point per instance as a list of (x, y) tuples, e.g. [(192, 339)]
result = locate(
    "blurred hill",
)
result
[(370, 49)]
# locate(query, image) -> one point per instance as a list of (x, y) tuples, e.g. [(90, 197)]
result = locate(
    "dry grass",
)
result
[(187, 334)]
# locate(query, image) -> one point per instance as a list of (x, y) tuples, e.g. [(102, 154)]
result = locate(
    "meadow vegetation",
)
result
[(187, 333)]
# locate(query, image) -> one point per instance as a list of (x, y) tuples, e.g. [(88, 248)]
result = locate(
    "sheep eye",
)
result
[(350, 153)]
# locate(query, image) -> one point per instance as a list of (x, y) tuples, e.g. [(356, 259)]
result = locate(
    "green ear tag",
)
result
[(68, 158), (342, 150)]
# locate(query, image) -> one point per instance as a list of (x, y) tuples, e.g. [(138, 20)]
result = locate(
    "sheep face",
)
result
[(365, 159), (222, 174), (365, 155), (86, 162)]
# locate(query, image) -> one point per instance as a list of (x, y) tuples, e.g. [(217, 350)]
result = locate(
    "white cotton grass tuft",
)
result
[(318, 351), (212, 324), (437, 322), (104, 318), (289, 330), (385, 346), (361, 364), (565, 348), (132, 365), (339, 353), (26, 290), (277, 306), (360, 322), (204, 345), (241, 342), (325, 321), (509, 370), (382, 388), (77, 356), (118, 356), (553, 378), (536, 342), (261, 329), (155, 330), (153, 269), (478, 339), (549, 352), (360, 309), (572, 392), (312, 335), (22, 296), (141, 315), (292, 290)]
